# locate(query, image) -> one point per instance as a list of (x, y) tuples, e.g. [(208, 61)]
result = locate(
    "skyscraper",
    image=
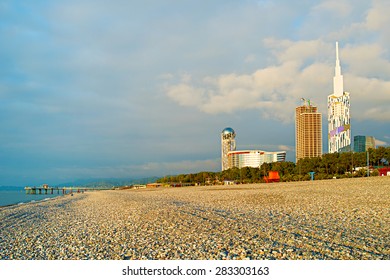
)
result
[(228, 144), (339, 122), (308, 131)]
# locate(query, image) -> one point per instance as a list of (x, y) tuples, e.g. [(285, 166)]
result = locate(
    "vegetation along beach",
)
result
[(325, 219)]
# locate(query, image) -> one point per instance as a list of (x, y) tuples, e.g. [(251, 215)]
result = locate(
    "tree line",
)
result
[(328, 166)]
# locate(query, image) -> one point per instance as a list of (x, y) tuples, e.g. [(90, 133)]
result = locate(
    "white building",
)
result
[(254, 158), (339, 121)]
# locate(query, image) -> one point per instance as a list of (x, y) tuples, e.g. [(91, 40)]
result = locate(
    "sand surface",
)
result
[(330, 219)]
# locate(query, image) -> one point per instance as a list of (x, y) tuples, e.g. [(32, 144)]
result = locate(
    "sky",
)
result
[(131, 89)]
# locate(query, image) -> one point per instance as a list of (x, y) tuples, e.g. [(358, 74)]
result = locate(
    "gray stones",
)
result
[(335, 219)]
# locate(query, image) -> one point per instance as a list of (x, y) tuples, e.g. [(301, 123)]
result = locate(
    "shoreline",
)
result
[(41, 197), (227, 186), (35, 202), (310, 220), (31, 201)]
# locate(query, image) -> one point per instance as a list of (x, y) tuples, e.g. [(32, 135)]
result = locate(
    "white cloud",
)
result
[(303, 69), (370, 98), (378, 16), (250, 58), (300, 51), (166, 76), (270, 90), (186, 95), (380, 142), (286, 148), (366, 60), (340, 8)]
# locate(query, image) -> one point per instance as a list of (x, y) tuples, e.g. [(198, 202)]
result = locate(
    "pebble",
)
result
[(331, 219)]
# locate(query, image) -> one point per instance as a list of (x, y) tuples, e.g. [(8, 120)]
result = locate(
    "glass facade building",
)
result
[(363, 143)]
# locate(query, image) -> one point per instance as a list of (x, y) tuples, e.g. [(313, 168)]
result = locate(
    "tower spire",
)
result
[(338, 84), (338, 67), (339, 120)]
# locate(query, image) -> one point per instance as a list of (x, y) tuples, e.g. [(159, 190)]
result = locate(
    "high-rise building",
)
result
[(228, 144), (339, 122), (254, 158), (308, 131), (363, 143)]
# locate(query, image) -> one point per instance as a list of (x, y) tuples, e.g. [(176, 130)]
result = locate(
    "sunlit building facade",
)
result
[(308, 132), (254, 158), (339, 121)]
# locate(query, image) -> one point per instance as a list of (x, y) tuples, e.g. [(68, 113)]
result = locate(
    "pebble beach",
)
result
[(343, 219)]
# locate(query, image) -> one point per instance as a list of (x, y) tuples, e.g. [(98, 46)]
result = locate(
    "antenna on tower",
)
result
[(305, 101)]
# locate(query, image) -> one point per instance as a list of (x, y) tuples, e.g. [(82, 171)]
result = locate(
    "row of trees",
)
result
[(339, 165)]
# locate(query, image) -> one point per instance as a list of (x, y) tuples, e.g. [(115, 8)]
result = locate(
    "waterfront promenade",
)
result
[(330, 219)]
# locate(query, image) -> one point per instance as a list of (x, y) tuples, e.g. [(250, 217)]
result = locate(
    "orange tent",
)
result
[(273, 176)]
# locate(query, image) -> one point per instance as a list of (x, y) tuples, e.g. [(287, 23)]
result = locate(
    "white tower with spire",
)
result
[(339, 121), (338, 83)]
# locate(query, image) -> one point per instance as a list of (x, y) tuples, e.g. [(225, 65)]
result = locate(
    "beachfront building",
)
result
[(339, 121), (254, 158), (363, 143), (308, 131), (228, 144)]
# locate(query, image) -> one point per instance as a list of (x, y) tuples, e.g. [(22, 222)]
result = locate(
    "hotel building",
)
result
[(254, 158), (308, 132), (339, 121)]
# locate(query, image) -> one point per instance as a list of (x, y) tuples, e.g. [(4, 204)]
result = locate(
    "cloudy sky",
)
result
[(93, 88)]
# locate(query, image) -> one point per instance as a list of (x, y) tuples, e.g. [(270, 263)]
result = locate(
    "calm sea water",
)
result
[(16, 195)]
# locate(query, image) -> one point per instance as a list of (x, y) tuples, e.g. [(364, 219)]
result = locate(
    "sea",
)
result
[(17, 195)]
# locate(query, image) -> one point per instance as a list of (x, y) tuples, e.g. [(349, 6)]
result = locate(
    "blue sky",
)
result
[(93, 89)]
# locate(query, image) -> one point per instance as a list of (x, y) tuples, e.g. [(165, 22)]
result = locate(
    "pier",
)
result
[(59, 190)]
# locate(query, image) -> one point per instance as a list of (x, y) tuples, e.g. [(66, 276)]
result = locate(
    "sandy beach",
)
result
[(330, 219)]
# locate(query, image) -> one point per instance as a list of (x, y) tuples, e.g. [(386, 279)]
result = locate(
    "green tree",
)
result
[(345, 162), (264, 169)]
